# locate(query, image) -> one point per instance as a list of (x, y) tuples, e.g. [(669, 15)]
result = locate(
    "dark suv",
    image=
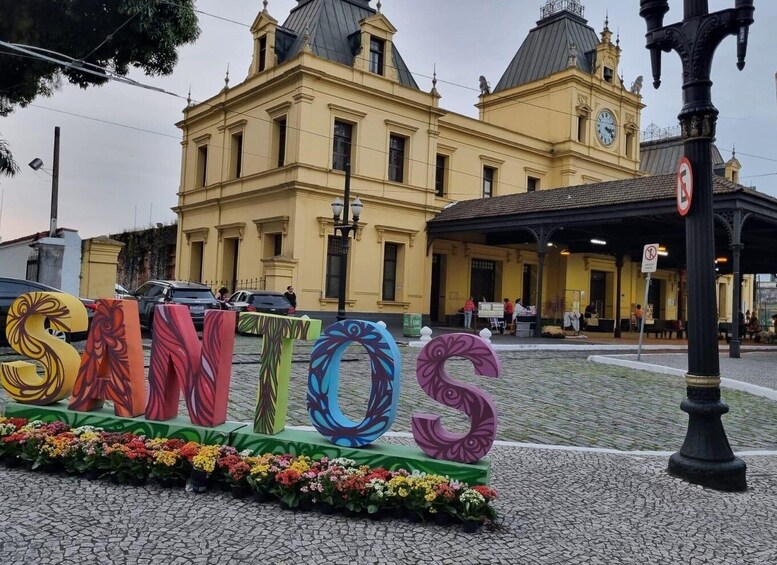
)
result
[(11, 289), (196, 296)]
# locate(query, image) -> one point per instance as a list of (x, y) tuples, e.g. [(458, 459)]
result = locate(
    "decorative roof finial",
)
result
[(265, 5), (734, 151), (607, 20), (189, 97), (618, 38), (379, 6), (226, 79), (434, 81)]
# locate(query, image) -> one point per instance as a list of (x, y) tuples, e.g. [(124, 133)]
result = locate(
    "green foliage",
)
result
[(152, 32), (8, 166)]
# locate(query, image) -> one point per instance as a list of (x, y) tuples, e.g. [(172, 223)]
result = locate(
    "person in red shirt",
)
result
[(469, 307), (508, 316)]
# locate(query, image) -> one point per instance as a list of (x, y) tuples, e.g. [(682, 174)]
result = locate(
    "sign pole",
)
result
[(641, 322)]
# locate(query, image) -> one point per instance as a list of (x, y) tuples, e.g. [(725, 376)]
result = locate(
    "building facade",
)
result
[(263, 160)]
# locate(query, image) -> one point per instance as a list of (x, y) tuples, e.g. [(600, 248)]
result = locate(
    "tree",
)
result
[(115, 34), (8, 166)]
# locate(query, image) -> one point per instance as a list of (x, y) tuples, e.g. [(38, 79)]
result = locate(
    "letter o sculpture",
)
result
[(428, 431), (324, 377)]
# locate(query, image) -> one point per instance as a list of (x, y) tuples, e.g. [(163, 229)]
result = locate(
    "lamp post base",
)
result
[(706, 458), (727, 476)]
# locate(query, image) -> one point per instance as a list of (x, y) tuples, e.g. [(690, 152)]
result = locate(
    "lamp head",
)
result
[(653, 11), (36, 164), (337, 208), (356, 209)]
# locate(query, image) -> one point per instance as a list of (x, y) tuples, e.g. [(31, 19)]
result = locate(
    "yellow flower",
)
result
[(166, 458), (430, 497), (403, 492), (300, 464), (260, 470)]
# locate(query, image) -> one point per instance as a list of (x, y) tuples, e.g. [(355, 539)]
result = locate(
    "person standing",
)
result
[(291, 296), (222, 295), (508, 315), (638, 316), (469, 307)]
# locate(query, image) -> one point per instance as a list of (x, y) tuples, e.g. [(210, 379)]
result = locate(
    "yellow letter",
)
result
[(28, 336)]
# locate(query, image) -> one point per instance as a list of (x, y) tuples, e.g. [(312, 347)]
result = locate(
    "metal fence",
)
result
[(235, 285)]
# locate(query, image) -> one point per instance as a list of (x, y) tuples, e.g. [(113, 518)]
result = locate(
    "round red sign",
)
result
[(684, 186)]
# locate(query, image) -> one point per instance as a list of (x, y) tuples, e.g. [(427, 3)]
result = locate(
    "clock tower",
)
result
[(563, 87)]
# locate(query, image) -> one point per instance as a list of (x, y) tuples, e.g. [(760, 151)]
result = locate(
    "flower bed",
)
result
[(299, 482)]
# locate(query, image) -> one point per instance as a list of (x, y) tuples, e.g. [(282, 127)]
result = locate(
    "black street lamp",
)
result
[(345, 229), (705, 457)]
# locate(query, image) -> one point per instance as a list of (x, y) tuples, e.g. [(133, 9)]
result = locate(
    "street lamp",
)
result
[(705, 457), (37, 165), (345, 228)]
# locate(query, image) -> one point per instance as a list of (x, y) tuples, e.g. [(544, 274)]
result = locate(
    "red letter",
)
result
[(179, 360), (112, 363)]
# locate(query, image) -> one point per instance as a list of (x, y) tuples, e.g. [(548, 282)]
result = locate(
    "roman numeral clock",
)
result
[(605, 128)]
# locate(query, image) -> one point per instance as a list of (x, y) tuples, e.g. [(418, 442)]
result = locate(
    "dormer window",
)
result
[(262, 53), (377, 50), (608, 74)]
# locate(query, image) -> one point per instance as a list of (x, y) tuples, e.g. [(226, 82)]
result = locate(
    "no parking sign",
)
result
[(684, 186)]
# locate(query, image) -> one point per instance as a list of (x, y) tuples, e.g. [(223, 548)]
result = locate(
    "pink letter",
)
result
[(428, 432)]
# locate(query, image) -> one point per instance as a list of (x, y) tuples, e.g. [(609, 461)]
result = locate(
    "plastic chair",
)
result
[(497, 324)]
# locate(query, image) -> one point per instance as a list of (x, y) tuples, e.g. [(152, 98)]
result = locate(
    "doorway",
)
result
[(654, 297), (438, 292), (529, 289), (483, 278), (599, 292)]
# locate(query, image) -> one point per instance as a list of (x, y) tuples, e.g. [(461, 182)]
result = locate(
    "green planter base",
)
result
[(294, 442)]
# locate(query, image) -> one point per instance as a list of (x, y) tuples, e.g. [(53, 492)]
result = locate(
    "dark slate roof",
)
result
[(545, 50), (626, 191), (331, 25), (662, 156)]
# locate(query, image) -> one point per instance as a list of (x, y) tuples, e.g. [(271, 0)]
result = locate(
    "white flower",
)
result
[(246, 453)]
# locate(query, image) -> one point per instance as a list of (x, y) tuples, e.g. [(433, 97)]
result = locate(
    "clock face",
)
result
[(605, 127)]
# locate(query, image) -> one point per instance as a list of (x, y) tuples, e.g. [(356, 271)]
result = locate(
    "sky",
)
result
[(121, 155)]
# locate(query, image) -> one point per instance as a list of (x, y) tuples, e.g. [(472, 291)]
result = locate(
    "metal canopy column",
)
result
[(542, 235), (733, 220)]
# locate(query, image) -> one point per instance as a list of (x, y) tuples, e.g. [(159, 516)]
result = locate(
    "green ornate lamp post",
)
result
[(705, 457)]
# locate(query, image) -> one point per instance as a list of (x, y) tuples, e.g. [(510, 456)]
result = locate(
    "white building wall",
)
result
[(14, 255), (13, 259)]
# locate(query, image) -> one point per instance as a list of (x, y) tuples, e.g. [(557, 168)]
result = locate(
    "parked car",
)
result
[(11, 289), (198, 297), (264, 301), (120, 292)]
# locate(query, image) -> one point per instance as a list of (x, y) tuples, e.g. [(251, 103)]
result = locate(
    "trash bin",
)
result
[(411, 325)]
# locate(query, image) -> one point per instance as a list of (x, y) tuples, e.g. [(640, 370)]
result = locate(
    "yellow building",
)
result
[(263, 160)]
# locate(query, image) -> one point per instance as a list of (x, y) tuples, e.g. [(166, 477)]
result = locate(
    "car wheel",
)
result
[(59, 334)]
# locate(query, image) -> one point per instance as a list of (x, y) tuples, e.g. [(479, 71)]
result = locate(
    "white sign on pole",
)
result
[(650, 258)]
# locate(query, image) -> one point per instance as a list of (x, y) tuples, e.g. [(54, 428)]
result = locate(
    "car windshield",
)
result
[(192, 293), (274, 300)]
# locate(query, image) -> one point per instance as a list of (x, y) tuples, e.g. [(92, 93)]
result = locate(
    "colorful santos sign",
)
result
[(684, 186)]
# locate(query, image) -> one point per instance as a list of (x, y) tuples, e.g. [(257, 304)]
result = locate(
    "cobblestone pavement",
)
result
[(543, 397), (555, 507)]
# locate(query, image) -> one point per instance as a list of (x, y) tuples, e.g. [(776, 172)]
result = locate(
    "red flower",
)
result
[(288, 477), (487, 492)]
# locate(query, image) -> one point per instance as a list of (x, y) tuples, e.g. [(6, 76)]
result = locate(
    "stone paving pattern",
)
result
[(555, 506), (543, 397)]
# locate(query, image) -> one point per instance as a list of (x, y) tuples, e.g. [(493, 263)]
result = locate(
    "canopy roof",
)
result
[(627, 214)]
